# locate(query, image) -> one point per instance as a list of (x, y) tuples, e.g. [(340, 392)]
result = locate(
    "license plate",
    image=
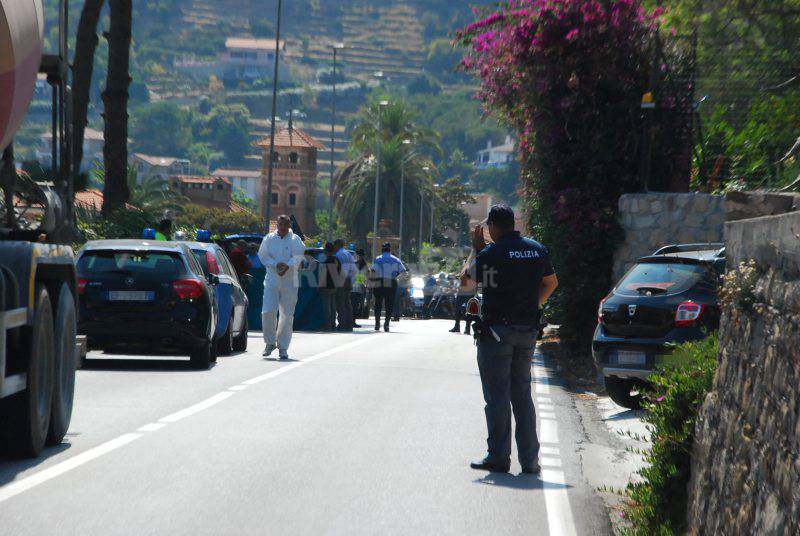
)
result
[(626, 357), (131, 295)]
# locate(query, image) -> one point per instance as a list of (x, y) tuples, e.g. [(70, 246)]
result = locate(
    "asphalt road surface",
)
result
[(362, 433)]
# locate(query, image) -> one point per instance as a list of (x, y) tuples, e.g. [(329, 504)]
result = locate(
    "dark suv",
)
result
[(668, 297)]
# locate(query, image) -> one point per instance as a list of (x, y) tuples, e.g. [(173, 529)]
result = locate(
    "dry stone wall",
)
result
[(746, 459)]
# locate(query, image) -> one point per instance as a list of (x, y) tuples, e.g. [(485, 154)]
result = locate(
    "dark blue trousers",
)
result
[(505, 369)]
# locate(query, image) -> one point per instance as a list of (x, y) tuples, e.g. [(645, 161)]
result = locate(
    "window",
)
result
[(276, 157), (220, 186), (293, 199), (293, 158), (274, 199)]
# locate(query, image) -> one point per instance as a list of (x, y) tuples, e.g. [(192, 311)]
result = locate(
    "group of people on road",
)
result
[(516, 277)]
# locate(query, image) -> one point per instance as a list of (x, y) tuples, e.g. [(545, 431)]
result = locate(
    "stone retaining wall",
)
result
[(746, 458), (654, 220)]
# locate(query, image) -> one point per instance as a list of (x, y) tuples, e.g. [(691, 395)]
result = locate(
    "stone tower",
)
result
[(294, 175)]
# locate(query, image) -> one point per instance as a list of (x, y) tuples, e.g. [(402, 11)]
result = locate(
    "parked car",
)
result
[(232, 326), (667, 298), (150, 295)]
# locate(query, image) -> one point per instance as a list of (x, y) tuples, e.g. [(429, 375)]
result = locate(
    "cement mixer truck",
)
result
[(38, 287)]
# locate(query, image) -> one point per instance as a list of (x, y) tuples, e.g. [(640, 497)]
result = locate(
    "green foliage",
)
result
[(162, 129), (240, 198), (229, 128), (503, 183), (219, 222), (450, 216), (659, 501), (122, 223)]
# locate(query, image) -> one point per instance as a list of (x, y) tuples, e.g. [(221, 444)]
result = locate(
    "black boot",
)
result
[(467, 331), (456, 328)]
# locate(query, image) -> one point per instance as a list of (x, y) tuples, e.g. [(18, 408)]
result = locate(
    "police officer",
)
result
[(517, 278)]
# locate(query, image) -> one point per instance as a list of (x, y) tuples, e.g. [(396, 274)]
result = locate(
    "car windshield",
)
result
[(660, 278), (164, 264)]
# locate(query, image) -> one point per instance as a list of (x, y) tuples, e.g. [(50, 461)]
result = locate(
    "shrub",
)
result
[(659, 501), (122, 223)]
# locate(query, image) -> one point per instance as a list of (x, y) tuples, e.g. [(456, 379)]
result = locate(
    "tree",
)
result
[(450, 217), (115, 101), (162, 128), (397, 121), (219, 222), (229, 127), (86, 41)]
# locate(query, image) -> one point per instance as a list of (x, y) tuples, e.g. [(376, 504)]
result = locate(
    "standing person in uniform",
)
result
[(386, 269), (329, 274), (517, 278), (280, 253), (344, 287), (164, 232), (359, 295)]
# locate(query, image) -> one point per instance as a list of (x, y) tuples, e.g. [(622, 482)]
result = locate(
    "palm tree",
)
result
[(396, 121), (82, 67), (152, 194)]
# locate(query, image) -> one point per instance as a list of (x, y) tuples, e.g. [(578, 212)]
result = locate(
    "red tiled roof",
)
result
[(92, 200), (237, 173), (294, 138), (195, 179), (157, 160)]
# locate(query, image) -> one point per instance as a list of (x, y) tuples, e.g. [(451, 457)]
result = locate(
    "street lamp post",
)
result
[(426, 169), (336, 47), (270, 162), (402, 195), (433, 199), (381, 105)]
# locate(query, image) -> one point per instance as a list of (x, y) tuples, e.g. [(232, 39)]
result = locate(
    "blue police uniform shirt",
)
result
[(511, 272), (387, 266)]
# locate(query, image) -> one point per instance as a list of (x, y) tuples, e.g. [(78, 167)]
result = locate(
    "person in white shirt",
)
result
[(344, 305), (281, 253)]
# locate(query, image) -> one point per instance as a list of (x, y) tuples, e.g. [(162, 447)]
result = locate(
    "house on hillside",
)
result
[(498, 156), (160, 166), (247, 58), (92, 149), (294, 175), (209, 192), (248, 180)]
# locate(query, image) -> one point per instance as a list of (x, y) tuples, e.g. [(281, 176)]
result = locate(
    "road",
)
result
[(360, 433)]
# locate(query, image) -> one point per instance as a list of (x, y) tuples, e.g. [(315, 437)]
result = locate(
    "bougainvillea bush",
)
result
[(568, 76)]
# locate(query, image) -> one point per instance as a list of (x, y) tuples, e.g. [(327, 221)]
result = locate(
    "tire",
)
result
[(202, 354), (240, 341), (65, 364), (27, 414), (620, 392), (225, 343)]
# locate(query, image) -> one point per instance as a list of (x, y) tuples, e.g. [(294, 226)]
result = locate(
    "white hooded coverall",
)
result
[(280, 292)]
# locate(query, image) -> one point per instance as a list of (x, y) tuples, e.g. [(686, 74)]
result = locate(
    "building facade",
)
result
[(159, 166), (249, 58), (294, 179), (209, 192), (246, 180), (498, 156)]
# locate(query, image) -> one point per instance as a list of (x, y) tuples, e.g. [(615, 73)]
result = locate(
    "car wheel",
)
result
[(201, 355), (225, 343), (622, 392), (26, 415), (65, 364), (240, 341)]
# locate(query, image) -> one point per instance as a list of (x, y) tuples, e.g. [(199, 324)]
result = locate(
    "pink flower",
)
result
[(572, 34), (660, 399)]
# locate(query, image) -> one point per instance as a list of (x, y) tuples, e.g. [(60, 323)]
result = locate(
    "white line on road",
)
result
[(559, 513), (152, 427), (197, 408), (15, 488)]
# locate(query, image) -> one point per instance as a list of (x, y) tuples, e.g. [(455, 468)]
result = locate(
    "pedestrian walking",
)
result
[(466, 291), (280, 253), (238, 256), (344, 304), (330, 272), (517, 277), (386, 269), (428, 291), (359, 294)]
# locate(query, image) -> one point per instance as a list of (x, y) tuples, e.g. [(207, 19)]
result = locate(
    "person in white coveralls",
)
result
[(281, 253)]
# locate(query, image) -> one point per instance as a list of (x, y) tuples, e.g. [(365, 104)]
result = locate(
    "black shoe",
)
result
[(377, 328), (467, 332), (386, 329), (532, 469), (486, 465), (357, 325), (455, 330)]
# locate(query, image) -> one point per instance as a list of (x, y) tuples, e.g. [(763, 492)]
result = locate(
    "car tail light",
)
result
[(187, 289), (82, 286), (213, 266), (473, 307), (600, 310), (687, 314)]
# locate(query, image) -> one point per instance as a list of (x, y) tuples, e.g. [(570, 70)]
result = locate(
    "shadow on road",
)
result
[(11, 467), (139, 365), (520, 481), (626, 415)]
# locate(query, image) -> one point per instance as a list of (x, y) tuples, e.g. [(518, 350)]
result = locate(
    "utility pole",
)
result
[(270, 162), (402, 195), (379, 140), (336, 47)]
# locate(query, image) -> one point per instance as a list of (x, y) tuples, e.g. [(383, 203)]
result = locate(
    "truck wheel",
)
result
[(27, 414), (65, 364), (201, 355), (240, 341), (620, 392), (225, 343)]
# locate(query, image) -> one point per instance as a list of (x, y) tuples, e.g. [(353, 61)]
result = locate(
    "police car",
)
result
[(667, 298)]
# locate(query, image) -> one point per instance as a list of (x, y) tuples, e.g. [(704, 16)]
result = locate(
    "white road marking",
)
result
[(550, 451), (559, 513), (547, 415), (15, 488), (152, 427)]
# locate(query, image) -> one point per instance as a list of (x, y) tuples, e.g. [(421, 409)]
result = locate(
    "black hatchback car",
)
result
[(667, 298), (146, 295)]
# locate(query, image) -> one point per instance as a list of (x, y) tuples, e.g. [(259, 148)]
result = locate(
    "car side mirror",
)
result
[(213, 279)]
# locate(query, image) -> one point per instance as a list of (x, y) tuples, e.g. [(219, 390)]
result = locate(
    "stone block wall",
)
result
[(653, 220), (746, 458)]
